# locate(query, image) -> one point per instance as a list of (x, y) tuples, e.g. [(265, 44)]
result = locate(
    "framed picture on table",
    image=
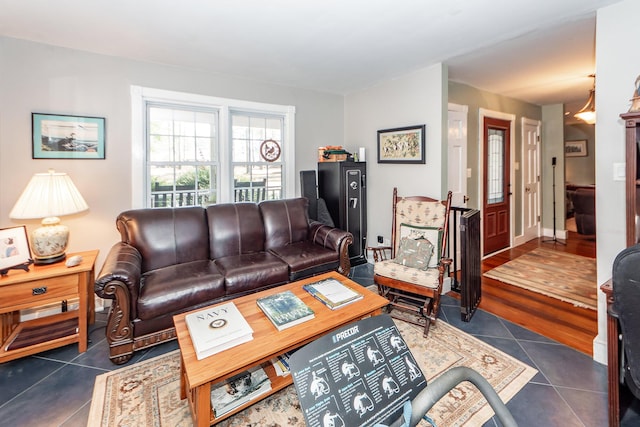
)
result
[(14, 248)]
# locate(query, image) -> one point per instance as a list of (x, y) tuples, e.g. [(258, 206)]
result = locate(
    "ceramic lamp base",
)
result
[(51, 260), (49, 242)]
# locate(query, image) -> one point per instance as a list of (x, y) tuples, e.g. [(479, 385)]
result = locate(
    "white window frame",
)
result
[(140, 95)]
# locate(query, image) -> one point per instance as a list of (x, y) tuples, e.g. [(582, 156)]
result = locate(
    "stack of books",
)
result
[(285, 309), (229, 394), (332, 293), (281, 364), (217, 328)]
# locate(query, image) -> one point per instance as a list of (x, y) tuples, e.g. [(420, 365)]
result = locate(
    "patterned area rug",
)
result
[(567, 277), (147, 393)]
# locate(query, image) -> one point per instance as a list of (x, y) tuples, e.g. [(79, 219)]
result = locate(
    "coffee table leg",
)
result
[(202, 405), (183, 380)]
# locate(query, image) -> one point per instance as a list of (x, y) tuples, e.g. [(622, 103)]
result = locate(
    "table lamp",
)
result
[(49, 195)]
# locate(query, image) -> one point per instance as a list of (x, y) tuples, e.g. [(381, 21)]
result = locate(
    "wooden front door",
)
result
[(497, 187)]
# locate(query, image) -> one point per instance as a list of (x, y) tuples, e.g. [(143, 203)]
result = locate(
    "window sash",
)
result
[(225, 189)]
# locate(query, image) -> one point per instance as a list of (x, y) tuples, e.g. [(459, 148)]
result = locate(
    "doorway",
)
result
[(457, 163), (496, 173), (530, 180)]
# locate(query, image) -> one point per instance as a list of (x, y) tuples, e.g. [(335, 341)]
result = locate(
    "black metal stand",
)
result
[(554, 239), (24, 266)]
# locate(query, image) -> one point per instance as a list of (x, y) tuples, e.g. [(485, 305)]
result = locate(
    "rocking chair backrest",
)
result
[(419, 211)]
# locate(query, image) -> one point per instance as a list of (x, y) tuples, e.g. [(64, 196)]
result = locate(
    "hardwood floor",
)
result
[(573, 326)]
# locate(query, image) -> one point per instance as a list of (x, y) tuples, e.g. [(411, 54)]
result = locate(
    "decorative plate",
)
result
[(270, 150)]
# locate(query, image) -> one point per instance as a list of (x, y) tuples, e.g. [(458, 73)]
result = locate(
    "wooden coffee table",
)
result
[(196, 376)]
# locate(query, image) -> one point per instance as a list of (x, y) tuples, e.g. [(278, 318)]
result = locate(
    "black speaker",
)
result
[(310, 191), (553, 161)]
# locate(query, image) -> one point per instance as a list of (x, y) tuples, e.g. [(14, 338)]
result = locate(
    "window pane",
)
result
[(160, 148), (495, 166), (274, 129), (240, 150), (160, 121), (254, 177), (203, 149), (184, 123), (180, 164)]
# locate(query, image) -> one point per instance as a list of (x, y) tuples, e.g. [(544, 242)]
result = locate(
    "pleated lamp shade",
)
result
[(48, 196)]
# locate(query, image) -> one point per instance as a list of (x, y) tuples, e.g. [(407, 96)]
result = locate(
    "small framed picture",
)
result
[(67, 137), (401, 145), (575, 148), (14, 247)]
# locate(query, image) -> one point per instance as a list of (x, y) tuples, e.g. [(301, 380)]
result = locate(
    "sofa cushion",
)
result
[(234, 229), (285, 221), (165, 237), (252, 271), (178, 287), (306, 259)]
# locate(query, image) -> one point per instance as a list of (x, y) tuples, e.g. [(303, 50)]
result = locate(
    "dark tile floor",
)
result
[(54, 388)]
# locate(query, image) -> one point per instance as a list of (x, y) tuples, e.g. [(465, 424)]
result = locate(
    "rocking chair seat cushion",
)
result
[(389, 268)]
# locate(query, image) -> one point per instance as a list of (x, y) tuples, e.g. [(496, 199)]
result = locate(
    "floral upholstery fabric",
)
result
[(421, 214), (389, 268)]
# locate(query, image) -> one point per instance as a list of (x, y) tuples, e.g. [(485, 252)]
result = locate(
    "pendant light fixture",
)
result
[(588, 112)]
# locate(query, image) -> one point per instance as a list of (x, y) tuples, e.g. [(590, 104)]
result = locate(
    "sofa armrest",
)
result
[(335, 239), (122, 268), (118, 281)]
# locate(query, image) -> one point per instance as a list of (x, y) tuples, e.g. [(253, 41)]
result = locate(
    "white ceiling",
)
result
[(540, 51)]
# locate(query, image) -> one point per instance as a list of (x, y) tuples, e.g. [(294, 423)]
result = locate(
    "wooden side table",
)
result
[(42, 285)]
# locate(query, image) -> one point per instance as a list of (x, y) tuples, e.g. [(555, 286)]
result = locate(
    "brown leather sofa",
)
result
[(584, 209), (174, 260)]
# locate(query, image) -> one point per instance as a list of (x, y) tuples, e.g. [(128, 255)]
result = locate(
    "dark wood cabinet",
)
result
[(343, 186), (632, 136), (632, 173)]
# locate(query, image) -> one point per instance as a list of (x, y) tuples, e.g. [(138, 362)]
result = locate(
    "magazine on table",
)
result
[(285, 309), (332, 293), (227, 395), (217, 328)]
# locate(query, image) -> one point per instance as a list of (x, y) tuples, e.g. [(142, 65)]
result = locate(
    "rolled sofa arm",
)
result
[(123, 264), (335, 239), (118, 281)]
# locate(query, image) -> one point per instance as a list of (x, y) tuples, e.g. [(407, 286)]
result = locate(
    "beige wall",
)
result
[(581, 170), (415, 99), (46, 79), (476, 99), (617, 68)]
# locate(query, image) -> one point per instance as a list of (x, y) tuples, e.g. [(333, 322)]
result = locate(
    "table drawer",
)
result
[(21, 295)]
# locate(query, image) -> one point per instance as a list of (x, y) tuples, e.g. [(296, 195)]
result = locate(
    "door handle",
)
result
[(465, 199)]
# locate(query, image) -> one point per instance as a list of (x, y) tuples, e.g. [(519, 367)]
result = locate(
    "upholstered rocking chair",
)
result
[(412, 278)]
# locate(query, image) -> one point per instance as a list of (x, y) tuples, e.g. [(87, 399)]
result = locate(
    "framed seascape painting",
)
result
[(67, 137), (14, 247), (402, 145)]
